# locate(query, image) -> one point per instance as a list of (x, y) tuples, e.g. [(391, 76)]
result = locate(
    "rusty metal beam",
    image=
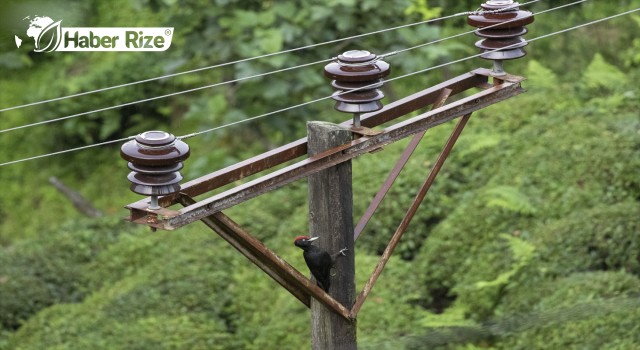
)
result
[(413, 208), (475, 79), (393, 175), (174, 219), (276, 267), (251, 248)]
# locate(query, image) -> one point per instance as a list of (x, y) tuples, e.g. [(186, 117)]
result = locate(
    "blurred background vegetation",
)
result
[(529, 238)]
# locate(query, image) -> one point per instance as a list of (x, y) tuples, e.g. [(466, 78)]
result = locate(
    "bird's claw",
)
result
[(341, 252)]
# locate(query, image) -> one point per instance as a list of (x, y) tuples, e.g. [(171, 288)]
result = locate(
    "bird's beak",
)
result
[(312, 239)]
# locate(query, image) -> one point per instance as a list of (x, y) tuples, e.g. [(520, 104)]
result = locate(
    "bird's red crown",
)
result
[(301, 237)]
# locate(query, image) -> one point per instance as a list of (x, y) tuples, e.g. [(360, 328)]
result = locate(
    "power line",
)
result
[(242, 79), (69, 150), (488, 27), (248, 59), (327, 97), (372, 85), (160, 97)]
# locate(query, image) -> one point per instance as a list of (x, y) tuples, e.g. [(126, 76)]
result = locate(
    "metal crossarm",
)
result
[(163, 218), (293, 150)]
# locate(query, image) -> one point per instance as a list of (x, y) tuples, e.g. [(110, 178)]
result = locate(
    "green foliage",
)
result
[(527, 239), (162, 291), (602, 238), (395, 293), (632, 54), (585, 310), (39, 273), (509, 198), (601, 75), (478, 297), (420, 7), (522, 253)]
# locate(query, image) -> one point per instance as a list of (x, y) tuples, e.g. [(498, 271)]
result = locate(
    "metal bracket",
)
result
[(363, 131), (327, 159)]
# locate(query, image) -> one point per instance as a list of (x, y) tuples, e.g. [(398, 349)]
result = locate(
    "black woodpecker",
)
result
[(317, 259)]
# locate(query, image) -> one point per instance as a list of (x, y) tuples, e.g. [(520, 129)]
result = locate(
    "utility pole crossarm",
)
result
[(169, 219), (476, 79)]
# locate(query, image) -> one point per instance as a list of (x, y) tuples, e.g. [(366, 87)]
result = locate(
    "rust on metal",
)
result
[(337, 155), (252, 250), (364, 131), (155, 213), (391, 178), (413, 208), (476, 79), (276, 267)]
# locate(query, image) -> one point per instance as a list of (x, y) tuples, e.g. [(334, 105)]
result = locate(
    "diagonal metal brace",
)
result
[(273, 265), (413, 208), (393, 175)]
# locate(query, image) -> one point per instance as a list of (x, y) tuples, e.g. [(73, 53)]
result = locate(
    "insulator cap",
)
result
[(506, 28), (155, 158), (357, 69)]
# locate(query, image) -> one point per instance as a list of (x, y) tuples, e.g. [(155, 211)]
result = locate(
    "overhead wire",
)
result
[(160, 97), (238, 79), (69, 150), (387, 80), (231, 81), (327, 97), (249, 59)]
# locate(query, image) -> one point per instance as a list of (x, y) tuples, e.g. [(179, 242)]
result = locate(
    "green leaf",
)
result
[(540, 76), (522, 253), (509, 198), (602, 75), (270, 40)]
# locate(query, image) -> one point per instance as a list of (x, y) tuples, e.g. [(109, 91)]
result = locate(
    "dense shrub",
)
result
[(528, 238), (37, 273), (160, 291), (594, 310), (604, 238)]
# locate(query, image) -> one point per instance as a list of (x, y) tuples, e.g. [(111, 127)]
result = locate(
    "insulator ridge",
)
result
[(502, 41), (357, 77), (155, 160)]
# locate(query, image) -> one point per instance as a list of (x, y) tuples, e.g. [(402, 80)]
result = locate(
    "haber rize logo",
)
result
[(45, 32), (49, 35)]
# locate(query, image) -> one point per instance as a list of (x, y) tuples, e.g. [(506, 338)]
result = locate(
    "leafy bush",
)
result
[(37, 273), (603, 238), (598, 310), (158, 291), (597, 239)]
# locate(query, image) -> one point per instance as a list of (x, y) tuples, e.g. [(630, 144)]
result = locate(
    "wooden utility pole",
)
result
[(331, 219)]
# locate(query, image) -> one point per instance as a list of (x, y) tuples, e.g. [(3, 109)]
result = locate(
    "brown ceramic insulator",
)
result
[(155, 158), (357, 69), (506, 28)]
